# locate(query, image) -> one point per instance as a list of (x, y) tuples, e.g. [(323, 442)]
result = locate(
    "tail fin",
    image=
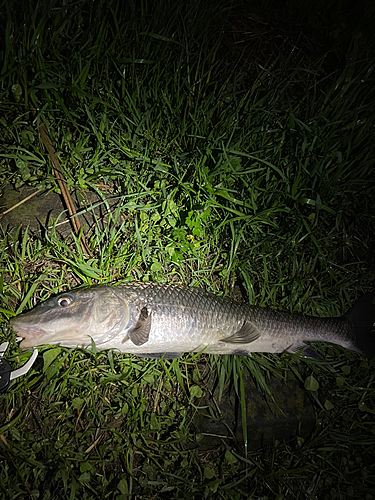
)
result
[(362, 315)]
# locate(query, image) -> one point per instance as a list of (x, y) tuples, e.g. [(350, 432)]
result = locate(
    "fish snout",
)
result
[(31, 336)]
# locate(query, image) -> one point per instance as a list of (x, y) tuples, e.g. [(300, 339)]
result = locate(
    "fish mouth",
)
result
[(31, 336)]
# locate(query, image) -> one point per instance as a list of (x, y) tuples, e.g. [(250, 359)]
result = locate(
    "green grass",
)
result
[(247, 176)]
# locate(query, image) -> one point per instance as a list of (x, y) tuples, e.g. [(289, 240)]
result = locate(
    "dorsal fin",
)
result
[(248, 333)]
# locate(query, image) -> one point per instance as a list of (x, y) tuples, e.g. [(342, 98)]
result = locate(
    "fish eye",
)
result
[(65, 300)]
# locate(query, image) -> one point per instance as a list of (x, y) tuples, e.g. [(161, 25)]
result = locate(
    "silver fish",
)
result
[(155, 320)]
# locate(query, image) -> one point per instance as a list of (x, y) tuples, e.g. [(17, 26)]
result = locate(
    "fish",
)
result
[(165, 320)]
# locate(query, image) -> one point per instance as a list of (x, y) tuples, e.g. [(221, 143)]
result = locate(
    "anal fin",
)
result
[(160, 355), (304, 350)]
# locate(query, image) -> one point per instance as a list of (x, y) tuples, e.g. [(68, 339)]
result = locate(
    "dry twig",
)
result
[(62, 183)]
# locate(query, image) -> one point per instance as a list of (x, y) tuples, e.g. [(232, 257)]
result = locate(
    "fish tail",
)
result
[(362, 317)]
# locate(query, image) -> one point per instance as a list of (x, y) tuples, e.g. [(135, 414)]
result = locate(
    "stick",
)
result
[(19, 203), (62, 184)]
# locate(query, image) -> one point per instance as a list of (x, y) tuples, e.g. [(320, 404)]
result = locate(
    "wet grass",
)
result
[(246, 177)]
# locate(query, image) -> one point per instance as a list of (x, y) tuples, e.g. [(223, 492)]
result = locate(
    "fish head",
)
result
[(73, 319)]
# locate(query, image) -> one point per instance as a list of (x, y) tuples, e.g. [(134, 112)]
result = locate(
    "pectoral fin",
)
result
[(248, 333), (140, 333)]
